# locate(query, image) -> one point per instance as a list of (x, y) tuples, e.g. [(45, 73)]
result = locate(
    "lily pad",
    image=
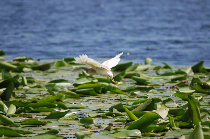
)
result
[(140, 80), (198, 68), (61, 63), (86, 121), (6, 120), (127, 133), (7, 66), (56, 114), (147, 60), (33, 122), (43, 67), (6, 95), (122, 67), (8, 132), (143, 123)]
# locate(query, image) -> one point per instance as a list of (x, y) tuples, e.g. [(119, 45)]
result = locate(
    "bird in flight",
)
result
[(103, 69)]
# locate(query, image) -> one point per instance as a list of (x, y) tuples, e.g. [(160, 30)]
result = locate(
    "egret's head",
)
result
[(90, 71)]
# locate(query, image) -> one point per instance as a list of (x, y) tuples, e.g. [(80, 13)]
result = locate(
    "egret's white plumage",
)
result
[(98, 68)]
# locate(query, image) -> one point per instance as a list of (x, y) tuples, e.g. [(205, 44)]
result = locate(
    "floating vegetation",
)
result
[(59, 100)]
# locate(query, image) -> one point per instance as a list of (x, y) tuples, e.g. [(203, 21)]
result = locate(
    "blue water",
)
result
[(173, 31)]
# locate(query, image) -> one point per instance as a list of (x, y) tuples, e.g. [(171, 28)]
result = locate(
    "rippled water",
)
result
[(173, 31)]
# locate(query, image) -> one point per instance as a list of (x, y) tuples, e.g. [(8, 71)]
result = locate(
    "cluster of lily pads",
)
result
[(56, 99)]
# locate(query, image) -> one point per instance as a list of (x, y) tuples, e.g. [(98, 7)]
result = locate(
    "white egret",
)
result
[(103, 69)]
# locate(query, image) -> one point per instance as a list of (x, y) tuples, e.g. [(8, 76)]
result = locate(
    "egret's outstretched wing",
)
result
[(89, 61), (112, 62)]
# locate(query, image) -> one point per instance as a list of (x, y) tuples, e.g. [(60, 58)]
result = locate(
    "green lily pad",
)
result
[(122, 66), (198, 68), (32, 121), (143, 123), (24, 81), (166, 66), (147, 60), (132, 68), (86, 121), (56, 114), (87, 91), (130, 115), (6, 120), (127, 133), (194, 110), (2, 53), (20, 59), (197, 132), (140, 80), (43, 103), (11, 110), (6, 75), (7, 66), (6, 95), (120, 76), (8, 132), (61, 63), (179, 77), (118, 106), (43, 67)]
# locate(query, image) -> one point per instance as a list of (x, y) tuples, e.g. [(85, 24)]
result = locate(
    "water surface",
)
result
[(175, 32)]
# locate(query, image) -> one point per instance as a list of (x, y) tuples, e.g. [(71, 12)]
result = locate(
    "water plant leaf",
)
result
[(87, 91), (166, 66), (118, 107), (197, 132), (130, 115), (127, 133), (24, 81), (147, 60), (122, 66), (20, 59), (6, 75), (120, 76), (189, 71), (43, 67), (132, 73), (33, 122), (6, 95), (86, 120), (132, 68), (79, 135), (112, 88), (162, 112), (198, 68), (181, 95), (2, 53), (171, 121), (194, 110), (7, 66), (169, 103), (6, 120), (61, 63), (5, 83), (144, 122), (37, 110), (48, 99), (8, 132), (82, 80), (3, 107), (179, 77), (146, 105), (11, 110), (140, 80), (56, 114), (43, 103)]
